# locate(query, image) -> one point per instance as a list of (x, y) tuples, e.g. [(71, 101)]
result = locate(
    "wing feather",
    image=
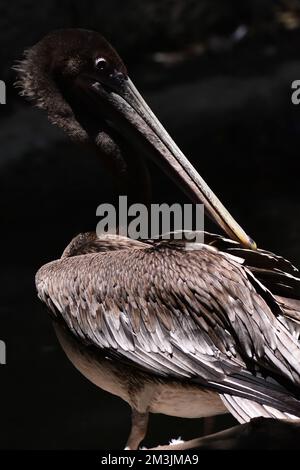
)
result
[(208, 322)]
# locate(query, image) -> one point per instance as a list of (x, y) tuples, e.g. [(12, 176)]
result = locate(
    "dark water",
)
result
[(231, 113)]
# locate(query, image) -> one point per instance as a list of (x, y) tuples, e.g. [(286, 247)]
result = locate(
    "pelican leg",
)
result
[(139, 425)]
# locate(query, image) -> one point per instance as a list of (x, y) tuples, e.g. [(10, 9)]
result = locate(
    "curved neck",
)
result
[(130, 172), (135, 182)]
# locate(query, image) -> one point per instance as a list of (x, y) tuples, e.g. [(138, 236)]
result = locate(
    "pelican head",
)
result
[(82, 83)]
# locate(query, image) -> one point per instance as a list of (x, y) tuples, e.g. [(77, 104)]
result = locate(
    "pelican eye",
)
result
[(101, 63)]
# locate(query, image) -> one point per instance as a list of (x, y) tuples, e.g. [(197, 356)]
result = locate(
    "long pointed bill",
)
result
[(128, 112)]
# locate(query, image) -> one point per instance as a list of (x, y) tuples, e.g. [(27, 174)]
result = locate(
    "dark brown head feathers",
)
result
[(61, 56)]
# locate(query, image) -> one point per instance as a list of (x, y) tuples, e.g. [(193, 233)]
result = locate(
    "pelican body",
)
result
[(176, 327)]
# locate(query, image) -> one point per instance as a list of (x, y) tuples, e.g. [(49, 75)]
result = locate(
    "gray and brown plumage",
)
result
[(172, 327)]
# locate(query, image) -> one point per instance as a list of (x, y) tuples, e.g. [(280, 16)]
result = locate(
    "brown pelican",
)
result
[(172, 327)]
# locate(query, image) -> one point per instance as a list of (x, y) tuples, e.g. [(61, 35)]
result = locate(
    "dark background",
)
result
[(218, 74)]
